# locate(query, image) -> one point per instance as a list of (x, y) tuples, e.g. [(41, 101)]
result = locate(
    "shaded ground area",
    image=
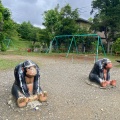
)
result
[(69, 97)]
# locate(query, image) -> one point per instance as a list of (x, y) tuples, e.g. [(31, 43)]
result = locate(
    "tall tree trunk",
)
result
[(50, 49), (108, 46), (107, 40)]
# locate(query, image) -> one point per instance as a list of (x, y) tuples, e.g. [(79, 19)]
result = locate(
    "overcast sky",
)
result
[(32, 10)]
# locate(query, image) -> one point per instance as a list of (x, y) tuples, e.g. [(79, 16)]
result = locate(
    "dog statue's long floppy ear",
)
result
[(23, 69)]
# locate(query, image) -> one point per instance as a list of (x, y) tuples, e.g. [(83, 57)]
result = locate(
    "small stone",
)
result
[(9, 102), (36, 108)]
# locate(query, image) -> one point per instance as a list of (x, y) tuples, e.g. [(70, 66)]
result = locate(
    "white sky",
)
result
[(32, 10)]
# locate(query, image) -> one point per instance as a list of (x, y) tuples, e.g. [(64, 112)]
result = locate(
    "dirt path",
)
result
[(69, 97)]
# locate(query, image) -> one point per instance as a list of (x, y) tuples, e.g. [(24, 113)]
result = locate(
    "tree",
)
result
[(67, 19), (116, 46), (60, 22), (35, 35), (24, 29), (44, 37), (107, 18), (5, 23), (51, 20), (90, 19), (28, 32)]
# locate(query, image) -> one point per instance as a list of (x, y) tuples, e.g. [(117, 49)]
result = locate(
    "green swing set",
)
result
[(99, 42)]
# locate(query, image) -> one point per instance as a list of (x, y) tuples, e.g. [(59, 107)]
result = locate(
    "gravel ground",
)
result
[(69, 97)]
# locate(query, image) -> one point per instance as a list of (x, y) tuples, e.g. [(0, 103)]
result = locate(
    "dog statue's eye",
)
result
[(34, 66), (28, 68)]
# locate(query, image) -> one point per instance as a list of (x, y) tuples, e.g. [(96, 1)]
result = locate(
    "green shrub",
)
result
[(94, 45), (116, 45), (3, 47)]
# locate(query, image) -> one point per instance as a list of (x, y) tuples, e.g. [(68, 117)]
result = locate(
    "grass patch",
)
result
[(113, 58), (22, 53), (7, 64), (11, 63), (18, 44)]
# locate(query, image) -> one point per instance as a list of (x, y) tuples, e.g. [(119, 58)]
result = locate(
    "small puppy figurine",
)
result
[(26, 87)]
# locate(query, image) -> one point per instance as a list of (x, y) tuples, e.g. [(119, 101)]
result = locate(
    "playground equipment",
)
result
[(7, 42), (73, 40)]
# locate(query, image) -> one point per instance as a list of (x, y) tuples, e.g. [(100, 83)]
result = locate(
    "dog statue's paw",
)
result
[(42, 97)]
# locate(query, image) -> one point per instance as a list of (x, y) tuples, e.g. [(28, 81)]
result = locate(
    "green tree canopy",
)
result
[(61, 21), (24, 29), (6, 23), (107, 18)]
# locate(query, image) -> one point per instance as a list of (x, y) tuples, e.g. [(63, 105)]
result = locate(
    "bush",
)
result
[(3, 47), (116, 46), (94, 44)]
